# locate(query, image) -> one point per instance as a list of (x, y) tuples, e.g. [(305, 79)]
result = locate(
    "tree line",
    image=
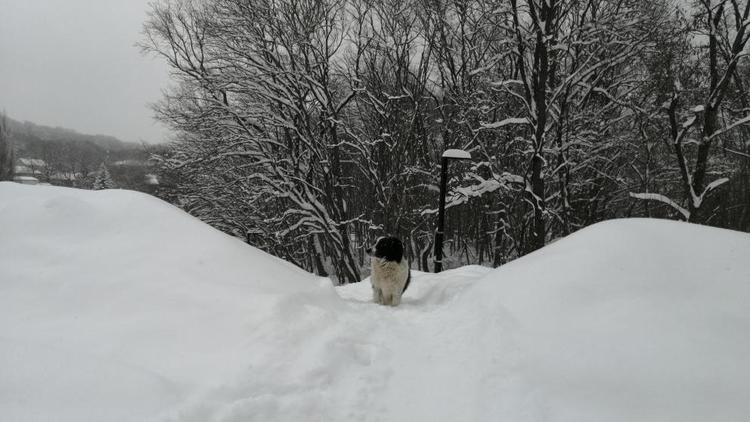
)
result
[(311, 127)]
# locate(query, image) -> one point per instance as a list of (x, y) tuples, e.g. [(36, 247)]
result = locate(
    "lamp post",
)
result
[(451, 154)]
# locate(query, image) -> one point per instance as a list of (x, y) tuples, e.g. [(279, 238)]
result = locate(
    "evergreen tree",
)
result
[(6, 152), (103, 179)]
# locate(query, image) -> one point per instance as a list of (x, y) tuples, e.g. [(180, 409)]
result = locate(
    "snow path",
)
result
[(418, 339), (362, 361)]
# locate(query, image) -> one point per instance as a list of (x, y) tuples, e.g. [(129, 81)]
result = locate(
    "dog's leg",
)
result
[(389, 298), (395, 299), (377, 295)]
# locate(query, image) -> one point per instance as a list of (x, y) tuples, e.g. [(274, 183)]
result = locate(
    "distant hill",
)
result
[(30, 130), (71, 158)]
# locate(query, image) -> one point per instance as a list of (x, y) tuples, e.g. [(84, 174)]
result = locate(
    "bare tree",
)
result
[(724, 26), (307, 128), (261, 97)]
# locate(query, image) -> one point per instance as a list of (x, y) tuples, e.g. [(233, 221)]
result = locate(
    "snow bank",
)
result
[(628, 320), (115, 306)]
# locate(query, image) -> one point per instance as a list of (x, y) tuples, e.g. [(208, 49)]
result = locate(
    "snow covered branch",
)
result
[(664, 200)]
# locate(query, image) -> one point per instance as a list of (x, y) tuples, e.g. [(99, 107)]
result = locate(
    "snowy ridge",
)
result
[(631, 320), (116, 306)]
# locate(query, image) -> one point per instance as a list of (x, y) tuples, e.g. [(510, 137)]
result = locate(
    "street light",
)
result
[(451, 154)]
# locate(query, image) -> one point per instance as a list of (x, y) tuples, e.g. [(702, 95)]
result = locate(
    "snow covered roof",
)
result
[(65, 176), (457, 154), (21, 169), (26, 180), (130, 163), (151, 179), (31, 162), (30, 166)]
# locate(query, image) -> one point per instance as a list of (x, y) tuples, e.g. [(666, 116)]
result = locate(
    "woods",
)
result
[(310, 128)]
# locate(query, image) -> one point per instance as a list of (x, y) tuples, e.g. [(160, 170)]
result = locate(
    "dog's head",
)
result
[(387, 248)]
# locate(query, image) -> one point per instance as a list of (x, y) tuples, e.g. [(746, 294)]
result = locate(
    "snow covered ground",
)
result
[(115, 306)]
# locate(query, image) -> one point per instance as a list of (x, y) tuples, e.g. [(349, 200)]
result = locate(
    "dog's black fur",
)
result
[(391, 249)]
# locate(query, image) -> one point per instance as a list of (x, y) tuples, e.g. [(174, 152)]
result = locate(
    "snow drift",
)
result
[(115, 306)]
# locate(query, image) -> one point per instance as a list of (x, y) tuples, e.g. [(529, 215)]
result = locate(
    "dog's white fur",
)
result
[(388, 280)]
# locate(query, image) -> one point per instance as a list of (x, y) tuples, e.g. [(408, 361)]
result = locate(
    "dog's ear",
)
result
[(372, 250)]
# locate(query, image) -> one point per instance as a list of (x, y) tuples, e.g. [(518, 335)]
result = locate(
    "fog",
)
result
[(73, 63)]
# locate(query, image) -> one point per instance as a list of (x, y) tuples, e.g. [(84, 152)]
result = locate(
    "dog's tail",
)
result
[(408, 276)]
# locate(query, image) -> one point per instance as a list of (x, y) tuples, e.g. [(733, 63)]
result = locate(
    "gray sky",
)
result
[(73, 63)]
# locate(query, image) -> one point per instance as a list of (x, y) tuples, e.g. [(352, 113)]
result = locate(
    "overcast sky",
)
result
[(73, 63)]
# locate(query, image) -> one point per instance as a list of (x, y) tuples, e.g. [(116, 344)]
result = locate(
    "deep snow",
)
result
[(115, 306)]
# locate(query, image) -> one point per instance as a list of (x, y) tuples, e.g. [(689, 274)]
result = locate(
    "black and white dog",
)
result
[(390, 271)]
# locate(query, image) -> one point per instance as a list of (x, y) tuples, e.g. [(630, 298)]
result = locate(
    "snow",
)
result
[(743, 121), (697, 202), (506, 122), (27, 180), (115, 306), (663, 199), (631, 320), (689, 122), (457, 154)]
